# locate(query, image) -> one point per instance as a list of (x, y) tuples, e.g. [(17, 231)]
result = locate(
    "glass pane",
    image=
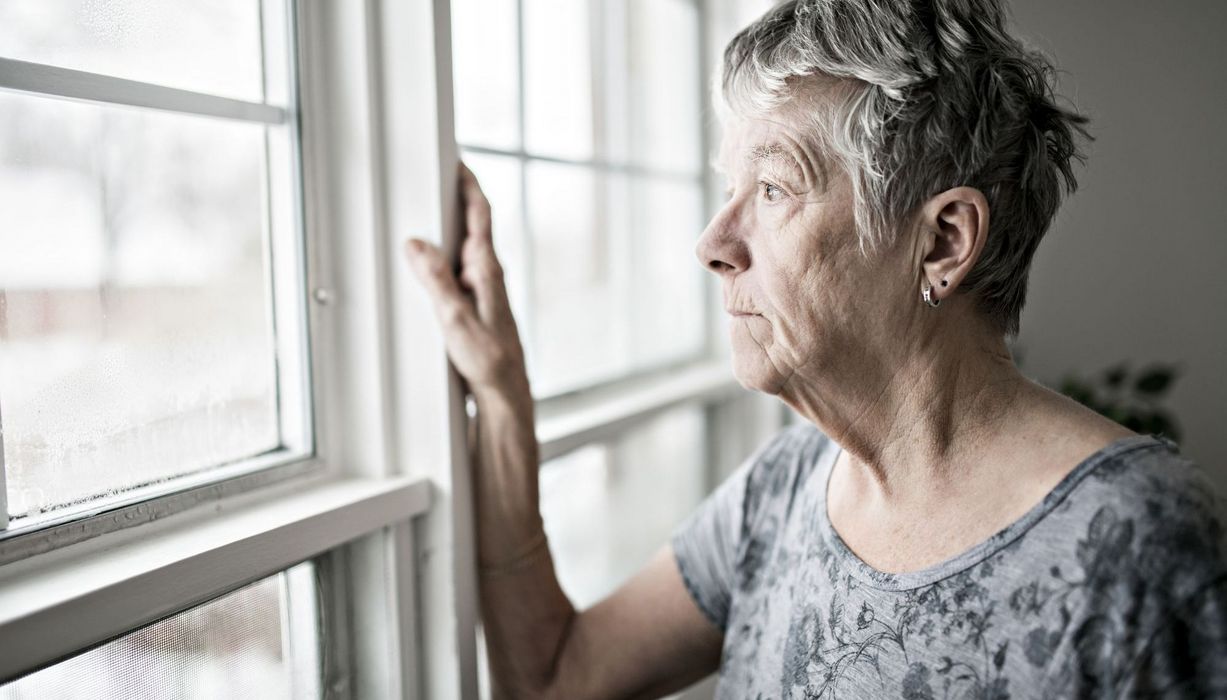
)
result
[(212, 47), (615, 285), (557, 78), (608, 508), (576, 338), (667, 307), (136, 339), (244, 644), (485, 49), (665, 84)]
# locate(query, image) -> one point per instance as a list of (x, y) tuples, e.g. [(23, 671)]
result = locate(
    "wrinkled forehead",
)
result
[(748, 143), (799, 126)]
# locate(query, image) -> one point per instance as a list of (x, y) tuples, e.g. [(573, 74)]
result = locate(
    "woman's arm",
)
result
[(646, 639)]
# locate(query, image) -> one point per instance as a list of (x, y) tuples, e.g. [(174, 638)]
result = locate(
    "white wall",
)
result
[(1136, 266)]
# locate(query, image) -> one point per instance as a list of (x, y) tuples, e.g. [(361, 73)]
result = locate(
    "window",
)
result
[(585, 123), (188, 399), (591, 152), (230, 440), (150, 293), (259, 641), (601, 515)]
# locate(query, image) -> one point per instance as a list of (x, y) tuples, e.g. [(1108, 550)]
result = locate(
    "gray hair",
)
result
[(932, 94)]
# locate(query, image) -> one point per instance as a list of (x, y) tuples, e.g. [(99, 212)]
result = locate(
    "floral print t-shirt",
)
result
[(1113, 586)]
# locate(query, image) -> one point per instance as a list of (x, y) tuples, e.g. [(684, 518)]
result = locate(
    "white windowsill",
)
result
[(73, 603)]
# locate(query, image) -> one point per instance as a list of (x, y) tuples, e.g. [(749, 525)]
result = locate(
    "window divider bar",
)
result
[(571, 422), (40, 79), (599, 164)]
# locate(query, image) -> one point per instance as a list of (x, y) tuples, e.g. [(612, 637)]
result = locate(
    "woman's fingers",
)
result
[(476, 209), (478, 245), (480, 269), (454, 309)]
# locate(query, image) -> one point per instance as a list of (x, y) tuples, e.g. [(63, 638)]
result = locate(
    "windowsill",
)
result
[(72, 602)]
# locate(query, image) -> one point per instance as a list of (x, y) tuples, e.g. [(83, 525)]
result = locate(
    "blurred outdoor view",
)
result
[(136, 334), (238, 646)]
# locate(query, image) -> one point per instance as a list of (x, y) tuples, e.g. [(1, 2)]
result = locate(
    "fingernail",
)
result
[(416, 245)]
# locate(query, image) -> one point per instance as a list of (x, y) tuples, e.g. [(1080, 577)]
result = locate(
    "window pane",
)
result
[(212, 47), (485, 47), (576, 338), (615, 285), (665, 84), (236, 646), (667, 306), (136, 339), (558, 78), (608, 508)]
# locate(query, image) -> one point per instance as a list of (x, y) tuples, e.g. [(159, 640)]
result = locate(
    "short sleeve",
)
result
[(1187, 656), (705, 546)]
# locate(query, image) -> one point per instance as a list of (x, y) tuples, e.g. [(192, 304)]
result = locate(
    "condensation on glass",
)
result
[(597, 192), (137, 335), (212, 47), (257, 642), (603, 508)]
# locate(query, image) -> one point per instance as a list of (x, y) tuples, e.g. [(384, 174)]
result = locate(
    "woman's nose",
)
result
[(720, 249)]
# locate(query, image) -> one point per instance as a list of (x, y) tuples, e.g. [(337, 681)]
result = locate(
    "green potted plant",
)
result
[(1133, 398)]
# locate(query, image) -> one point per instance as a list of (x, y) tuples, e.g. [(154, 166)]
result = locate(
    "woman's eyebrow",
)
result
[(778, 153)]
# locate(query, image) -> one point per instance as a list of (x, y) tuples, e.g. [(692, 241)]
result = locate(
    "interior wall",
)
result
[(1135, 268)]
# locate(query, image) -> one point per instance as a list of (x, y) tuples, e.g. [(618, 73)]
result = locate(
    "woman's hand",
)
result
[(478, 328)]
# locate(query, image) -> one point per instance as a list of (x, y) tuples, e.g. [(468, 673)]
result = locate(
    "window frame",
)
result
[(384, 503), (373, 505), (134, 506), (709, 351)]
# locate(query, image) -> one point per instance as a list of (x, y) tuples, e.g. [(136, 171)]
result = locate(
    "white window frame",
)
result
[(384, 504), (376, 504), (135, 506)]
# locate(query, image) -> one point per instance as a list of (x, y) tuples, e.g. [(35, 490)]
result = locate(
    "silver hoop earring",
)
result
[(930, 300)]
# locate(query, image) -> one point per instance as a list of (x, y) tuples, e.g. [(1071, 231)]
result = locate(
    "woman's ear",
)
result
[(955, 225)]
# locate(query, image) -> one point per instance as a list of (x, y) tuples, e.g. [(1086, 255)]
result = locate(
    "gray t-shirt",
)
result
[(1114, 586)]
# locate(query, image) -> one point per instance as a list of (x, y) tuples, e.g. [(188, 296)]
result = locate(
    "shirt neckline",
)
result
[(979, 552)]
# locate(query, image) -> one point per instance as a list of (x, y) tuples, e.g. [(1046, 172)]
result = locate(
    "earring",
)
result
[(928, 298)]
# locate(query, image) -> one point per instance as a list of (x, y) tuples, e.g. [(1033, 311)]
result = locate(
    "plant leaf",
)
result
[(1115, 376), (1155, 381)]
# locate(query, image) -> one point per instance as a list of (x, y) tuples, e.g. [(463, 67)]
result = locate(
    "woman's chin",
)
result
[(756, 373)]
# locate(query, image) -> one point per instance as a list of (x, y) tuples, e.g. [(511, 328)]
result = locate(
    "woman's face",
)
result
[(802, 298)]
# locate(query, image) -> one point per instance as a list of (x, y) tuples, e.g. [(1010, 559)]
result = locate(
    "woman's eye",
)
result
[(771, 193)]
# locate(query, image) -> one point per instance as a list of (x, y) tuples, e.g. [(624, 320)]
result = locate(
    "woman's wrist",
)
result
[(510, 398)]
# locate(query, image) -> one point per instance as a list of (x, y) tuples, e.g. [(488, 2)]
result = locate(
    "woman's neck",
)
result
[(916, 415)]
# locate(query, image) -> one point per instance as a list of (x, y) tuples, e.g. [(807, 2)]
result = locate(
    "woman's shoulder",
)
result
[(795, 447), (1148, 478), (782, 464), (1142, 555), (1155, 513)]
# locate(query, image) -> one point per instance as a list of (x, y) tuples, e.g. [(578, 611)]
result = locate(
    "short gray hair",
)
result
[(933, 94)]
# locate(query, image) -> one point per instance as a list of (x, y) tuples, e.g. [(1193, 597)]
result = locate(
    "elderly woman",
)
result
[(941, 526)]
